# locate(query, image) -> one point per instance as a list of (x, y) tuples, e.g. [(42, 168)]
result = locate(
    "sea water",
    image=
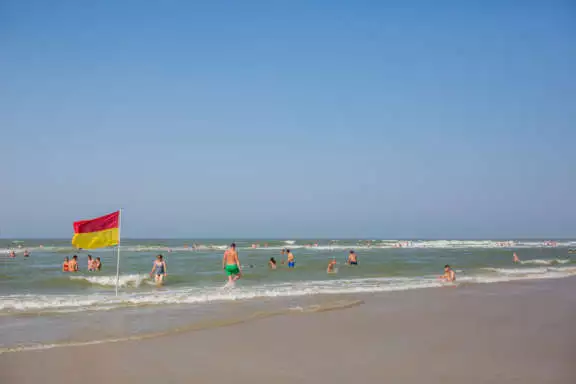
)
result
[(41, 306)]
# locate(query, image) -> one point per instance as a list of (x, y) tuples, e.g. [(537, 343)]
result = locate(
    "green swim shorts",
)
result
[(232, 269)]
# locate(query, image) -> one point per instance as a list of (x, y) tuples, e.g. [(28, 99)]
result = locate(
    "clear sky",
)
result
[(373, 119)]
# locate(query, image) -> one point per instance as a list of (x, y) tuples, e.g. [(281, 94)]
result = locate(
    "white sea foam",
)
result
[(74, 303), (134, 280), (71, 303), (519, 271), (334, 245), (510, 274), (537, 261), (545, 261)]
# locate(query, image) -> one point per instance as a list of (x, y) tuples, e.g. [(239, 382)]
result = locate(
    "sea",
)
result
[(42, 307)]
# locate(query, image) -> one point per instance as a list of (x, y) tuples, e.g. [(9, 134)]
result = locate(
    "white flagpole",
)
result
[(118, 248)]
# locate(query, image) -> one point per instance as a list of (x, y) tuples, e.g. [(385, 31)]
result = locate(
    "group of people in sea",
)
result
[(12, 254), (94, 264), (233, 268), (231, 262)]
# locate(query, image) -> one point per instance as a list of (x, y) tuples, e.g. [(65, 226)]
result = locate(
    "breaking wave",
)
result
[(74, 303)]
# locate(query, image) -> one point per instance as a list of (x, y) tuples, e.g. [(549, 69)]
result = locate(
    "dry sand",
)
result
[(520, 332)]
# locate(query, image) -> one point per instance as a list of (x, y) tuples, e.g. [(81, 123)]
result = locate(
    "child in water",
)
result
[(65, 265), (90, 264), (272, 263), (97, 264), (449, 275), (331, 266)]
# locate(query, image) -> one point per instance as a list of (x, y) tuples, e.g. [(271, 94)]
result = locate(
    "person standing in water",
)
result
[(231, 264), (291, 260), (515, 258), (73, 264), (352, 258), (90, 264), (449, 274), (26, 253), (97, 264), (159, 270), (65, 265)]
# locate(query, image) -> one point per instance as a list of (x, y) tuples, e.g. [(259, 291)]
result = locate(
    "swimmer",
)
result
[(90, 264), (352, 258), (291, 260), (272, 263), (515, 258), (159, 270), (231, 264), (65, 265), (26, 253), (449, 274), (97, 264), (331, 266), (12, 254), (73, 264)]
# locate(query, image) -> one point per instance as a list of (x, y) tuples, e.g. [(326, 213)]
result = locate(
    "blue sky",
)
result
[(289, 119)]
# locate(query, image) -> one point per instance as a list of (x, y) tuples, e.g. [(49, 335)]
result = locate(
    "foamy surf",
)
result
[(134, 280), (545, 262), (74, 303), (313, 245), (99, 302)]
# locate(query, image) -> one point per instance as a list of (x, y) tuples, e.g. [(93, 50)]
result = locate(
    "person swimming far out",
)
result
[(231, 264), (65, 264), (352, 258), (331, 266), (272, 263), (515, 258), (159, 270), (449, 274)]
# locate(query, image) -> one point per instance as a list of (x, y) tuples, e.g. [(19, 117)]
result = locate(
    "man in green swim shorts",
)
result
[(231, 264)]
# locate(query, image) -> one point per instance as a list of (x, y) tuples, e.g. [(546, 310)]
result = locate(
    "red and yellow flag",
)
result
[(97, 233)]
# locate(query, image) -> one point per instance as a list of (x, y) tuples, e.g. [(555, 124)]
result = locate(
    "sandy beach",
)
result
[(519, 332)]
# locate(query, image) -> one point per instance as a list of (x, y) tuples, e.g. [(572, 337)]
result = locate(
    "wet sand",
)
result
[(521, 332)]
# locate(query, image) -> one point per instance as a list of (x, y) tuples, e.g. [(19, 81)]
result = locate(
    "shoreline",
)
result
[(518, 331)]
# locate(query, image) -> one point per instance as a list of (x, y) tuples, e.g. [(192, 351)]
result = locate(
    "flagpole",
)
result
[(118, 249)]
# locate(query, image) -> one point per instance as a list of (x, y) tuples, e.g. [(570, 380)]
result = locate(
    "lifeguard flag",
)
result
[(97, 233)]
